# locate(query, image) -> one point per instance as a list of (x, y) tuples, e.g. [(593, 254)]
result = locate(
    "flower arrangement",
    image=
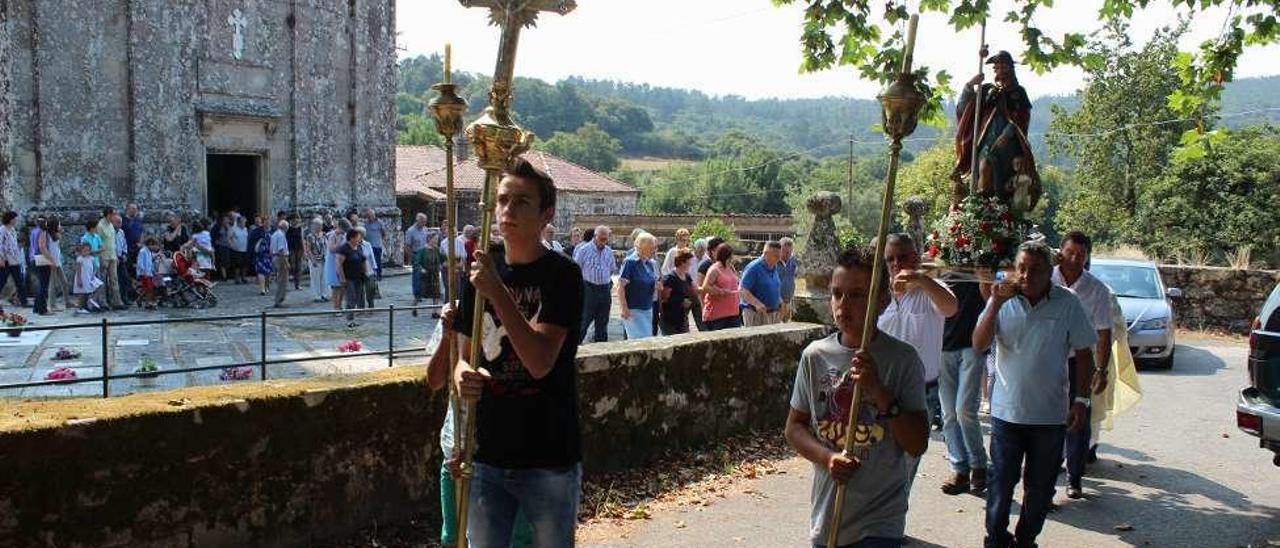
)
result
[(236, 373), (65, 354), (351, 346), (61, 373), (979, 233), (13, 323), (147, 366)]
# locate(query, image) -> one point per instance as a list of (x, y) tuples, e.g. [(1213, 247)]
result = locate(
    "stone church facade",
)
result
[(197, 105)]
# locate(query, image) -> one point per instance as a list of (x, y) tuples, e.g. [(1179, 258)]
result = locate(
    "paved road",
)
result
[(1176, 470)]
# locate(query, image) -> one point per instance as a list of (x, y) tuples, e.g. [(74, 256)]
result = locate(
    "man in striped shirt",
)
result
[(598, 265)]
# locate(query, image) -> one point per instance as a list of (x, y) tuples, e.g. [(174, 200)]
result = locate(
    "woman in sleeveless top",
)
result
[(335, 239), (720, 290)]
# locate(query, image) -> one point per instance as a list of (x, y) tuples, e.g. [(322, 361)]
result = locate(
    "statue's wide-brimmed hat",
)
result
[(1001, 57)]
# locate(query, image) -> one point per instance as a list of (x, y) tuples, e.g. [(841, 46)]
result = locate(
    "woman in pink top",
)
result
[(720, 292)]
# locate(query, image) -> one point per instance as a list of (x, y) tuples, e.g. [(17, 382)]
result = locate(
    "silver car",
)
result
[(1147, 310)]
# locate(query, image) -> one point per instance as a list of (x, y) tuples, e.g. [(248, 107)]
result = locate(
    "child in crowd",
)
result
[(148, 276), (890, 426), (87, 284)]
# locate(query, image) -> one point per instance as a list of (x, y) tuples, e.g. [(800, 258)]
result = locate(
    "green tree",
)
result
[(418, 129), (1218, 204), (1128, 94), (710, 227), (928, 176), (589, 147), (864, 34)]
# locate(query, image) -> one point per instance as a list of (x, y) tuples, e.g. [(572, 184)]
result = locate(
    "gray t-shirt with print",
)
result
[(876, 497)]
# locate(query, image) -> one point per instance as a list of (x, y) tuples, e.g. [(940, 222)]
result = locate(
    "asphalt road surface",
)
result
[(1174, 472)]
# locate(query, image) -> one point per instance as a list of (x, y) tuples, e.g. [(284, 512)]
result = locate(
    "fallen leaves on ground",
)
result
[(693, 478)]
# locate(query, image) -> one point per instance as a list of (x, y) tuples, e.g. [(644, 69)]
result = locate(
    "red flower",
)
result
[(955, 228), (984, 226), (997, 247), (933, 251), (962, 241)]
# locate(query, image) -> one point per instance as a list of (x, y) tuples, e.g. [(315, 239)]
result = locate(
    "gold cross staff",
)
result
[(498, 141)]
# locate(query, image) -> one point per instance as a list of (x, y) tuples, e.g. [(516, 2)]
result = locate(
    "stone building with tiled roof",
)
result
[(580, 191)]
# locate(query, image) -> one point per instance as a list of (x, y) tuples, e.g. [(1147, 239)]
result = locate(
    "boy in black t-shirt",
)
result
[(528, 449)]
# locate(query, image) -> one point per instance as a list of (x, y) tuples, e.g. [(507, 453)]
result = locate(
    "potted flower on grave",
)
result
[(148, 370), (13, 323), (61, 373), (65, 354)]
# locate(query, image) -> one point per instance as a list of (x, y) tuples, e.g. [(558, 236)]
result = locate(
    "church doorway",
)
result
[(233, 181)]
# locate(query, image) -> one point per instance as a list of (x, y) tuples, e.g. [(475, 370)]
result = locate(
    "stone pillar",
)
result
[(916, 208), (822, 250)]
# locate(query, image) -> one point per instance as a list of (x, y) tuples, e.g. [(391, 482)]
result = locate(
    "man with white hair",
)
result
[(373, 235), (280, 261), (549, 239), (595, 259), (415, 238)]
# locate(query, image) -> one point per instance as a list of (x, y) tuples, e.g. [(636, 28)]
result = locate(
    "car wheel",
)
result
[(1165, 363)]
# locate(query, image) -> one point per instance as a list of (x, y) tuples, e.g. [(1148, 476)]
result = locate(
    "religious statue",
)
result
[(1006, 168)]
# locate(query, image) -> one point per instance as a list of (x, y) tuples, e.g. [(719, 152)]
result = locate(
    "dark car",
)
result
[(1258, 408)]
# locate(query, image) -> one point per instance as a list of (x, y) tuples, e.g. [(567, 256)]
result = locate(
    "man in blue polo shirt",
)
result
[(761, 289), (1033, 325)]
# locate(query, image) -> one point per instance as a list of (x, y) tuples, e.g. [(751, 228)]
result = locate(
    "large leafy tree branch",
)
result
[(866, 34)]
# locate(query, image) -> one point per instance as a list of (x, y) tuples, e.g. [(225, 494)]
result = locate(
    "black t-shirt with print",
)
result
[(957, 334), (524, 422), (673, 310)]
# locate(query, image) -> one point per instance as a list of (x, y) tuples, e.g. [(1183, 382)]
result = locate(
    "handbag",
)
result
[(41, 260)]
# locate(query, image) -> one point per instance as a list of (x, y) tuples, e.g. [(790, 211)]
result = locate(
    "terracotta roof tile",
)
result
[(569, 177), (414, 161)]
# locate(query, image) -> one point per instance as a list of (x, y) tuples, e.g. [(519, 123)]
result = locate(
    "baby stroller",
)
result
[(177, 292)]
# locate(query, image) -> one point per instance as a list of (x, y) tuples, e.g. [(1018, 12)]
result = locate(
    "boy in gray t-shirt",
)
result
[(892, 430)]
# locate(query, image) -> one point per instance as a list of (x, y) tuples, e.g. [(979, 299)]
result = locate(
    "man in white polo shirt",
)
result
[(917, 313), (1033, 325), (1096, 298)]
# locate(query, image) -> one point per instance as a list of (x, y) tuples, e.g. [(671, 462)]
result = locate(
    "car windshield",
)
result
[(1141, 282)]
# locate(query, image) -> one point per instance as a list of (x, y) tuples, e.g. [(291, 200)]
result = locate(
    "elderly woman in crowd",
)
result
[(637, 288), (314, 250)]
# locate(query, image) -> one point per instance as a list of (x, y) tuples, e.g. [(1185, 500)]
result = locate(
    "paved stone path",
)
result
[(1175, 472), (202, 343)]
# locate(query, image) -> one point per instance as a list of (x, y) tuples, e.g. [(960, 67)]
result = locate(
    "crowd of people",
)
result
[(118, 261), (1040, 337)]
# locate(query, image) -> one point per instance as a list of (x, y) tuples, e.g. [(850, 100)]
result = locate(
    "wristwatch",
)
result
[(890, 413), (1083, 401)]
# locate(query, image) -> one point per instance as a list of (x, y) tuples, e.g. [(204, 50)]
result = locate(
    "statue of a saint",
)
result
[(1006, 167)]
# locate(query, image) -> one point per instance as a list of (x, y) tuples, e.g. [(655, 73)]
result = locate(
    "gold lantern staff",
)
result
[(900, 109), (448, 108), (497, 141)]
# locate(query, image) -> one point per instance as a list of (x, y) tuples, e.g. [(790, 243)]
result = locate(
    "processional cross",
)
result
[(497, 141)]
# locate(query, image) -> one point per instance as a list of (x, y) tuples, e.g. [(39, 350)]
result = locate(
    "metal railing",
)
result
[(261, 363)]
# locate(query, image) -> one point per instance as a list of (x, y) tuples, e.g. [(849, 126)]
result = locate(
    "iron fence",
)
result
[(261, 363)]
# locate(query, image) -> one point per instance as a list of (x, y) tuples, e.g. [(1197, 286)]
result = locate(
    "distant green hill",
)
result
[(668, 122)]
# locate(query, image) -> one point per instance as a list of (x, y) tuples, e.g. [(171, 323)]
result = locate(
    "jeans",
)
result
[(41, 304), (416, 282), (639, 325), (1076, 448), (15, 271), (1041, 447), (377, 257), (960, 390), (596, 301), (127, 295), (870, 542), (522, 537), (548, 497)]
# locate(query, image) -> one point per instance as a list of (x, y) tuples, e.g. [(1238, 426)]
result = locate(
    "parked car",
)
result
[(1147, 310), (1258, 407)]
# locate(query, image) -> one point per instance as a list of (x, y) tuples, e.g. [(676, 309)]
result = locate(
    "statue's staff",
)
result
[(447, 108), (977, 110), (498, 142), (900, 108)]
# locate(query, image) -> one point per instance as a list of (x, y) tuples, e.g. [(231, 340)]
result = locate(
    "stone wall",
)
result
[(298, 462), (1215, 297)]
